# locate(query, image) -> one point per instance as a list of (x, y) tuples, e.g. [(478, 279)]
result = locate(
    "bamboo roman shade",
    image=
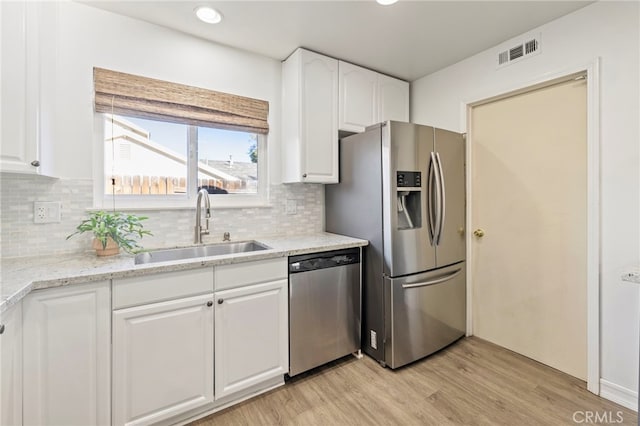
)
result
[(143, 97)]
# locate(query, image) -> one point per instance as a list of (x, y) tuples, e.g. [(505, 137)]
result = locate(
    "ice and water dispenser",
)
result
[(409, 193)]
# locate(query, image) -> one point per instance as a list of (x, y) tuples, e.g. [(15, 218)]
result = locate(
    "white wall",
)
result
[(610, 31), (88, 37)]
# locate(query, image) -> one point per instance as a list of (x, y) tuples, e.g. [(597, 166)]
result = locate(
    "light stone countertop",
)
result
[(22, 275)]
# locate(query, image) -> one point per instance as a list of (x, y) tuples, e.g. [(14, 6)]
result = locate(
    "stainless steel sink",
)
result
[(198, 251)]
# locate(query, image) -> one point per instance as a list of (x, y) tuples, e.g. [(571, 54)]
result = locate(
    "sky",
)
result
[(214, 144)]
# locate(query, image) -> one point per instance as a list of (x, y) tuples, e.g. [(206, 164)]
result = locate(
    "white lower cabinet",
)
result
[(162, 359), (66, 356), (173, 341), (251, 336), (11, 366)]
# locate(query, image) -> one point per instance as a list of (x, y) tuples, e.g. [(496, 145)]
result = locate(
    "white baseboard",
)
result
[(619, 395)]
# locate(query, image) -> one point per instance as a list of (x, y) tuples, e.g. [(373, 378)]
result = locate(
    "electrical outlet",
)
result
[(46, 212), (292, 207)]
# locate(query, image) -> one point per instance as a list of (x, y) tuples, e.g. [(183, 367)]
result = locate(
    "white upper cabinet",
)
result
[(367, 97), (310, 118), (28, 69), (358, 97), (322, 95), (393, 99), (11, 366), (66, 357)]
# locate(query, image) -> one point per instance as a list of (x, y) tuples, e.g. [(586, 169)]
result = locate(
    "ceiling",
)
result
[(407, 40)]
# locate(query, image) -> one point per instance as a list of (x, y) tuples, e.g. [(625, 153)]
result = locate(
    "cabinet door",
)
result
[(67, 355), (393, 99), (28, 61), (162, 359), (251, 336), (358, 97), (319, 115), (309, 118), (11, 366), (19, 146)]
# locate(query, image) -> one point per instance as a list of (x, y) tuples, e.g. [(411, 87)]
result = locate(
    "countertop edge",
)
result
[(130, 270)]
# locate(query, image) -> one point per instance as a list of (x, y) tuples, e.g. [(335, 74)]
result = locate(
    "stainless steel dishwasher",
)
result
[(324, 308)]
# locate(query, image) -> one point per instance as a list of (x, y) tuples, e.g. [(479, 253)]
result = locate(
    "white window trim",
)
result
[(101, 201)]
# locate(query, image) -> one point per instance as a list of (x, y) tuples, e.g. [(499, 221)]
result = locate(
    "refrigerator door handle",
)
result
[(436, 281), (431, 204), (441, 200)]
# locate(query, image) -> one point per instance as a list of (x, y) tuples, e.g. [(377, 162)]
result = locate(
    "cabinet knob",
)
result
[(35, 163), (209, 303), (220, 301), (304, 175), (1, 328)]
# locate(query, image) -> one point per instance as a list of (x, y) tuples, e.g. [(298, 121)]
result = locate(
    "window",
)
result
[(163, 141), (150, 157)]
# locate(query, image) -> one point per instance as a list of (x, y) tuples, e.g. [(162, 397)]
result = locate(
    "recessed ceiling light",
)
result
[(208, 14), (386, 2)]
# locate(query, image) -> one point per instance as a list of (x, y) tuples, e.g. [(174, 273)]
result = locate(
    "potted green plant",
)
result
[(112, 231)]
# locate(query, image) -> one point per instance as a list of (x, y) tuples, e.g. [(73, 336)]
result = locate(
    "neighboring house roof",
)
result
[(242, 170)]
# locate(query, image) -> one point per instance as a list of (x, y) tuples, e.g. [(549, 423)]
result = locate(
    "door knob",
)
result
[(478, 233)]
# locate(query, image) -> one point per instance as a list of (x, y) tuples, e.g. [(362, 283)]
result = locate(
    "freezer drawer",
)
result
[(324, 309), (424, 313)]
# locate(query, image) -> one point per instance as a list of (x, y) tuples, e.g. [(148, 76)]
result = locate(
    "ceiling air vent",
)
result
[(519, 51), (503, 57), (530, 46), (516, 52)]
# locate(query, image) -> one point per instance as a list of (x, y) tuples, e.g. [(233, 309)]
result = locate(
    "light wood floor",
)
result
[(472, 382)]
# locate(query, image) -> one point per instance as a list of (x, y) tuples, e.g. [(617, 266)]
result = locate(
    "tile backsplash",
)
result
[(19, 236)]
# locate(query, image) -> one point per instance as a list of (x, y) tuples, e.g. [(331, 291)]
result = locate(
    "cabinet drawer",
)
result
[(162, 286), (240, 274)]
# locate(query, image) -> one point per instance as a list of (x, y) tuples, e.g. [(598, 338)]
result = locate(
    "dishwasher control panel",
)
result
[(324, 260)]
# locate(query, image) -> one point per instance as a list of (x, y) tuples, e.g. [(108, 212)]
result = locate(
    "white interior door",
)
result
[(529, 189)]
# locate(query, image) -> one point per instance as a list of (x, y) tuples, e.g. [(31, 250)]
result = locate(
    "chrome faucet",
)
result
[(200, 231)]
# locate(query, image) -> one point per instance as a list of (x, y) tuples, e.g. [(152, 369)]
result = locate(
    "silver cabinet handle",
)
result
[(220, 301), (436, 281), (1, 328), (35, 163)]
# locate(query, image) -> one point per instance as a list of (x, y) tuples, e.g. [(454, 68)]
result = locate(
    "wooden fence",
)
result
[(164, 185)]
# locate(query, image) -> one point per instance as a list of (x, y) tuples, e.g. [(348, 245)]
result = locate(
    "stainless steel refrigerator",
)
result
[(402, 187)]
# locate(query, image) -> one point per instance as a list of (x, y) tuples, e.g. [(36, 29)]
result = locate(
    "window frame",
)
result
[(169, 202)]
